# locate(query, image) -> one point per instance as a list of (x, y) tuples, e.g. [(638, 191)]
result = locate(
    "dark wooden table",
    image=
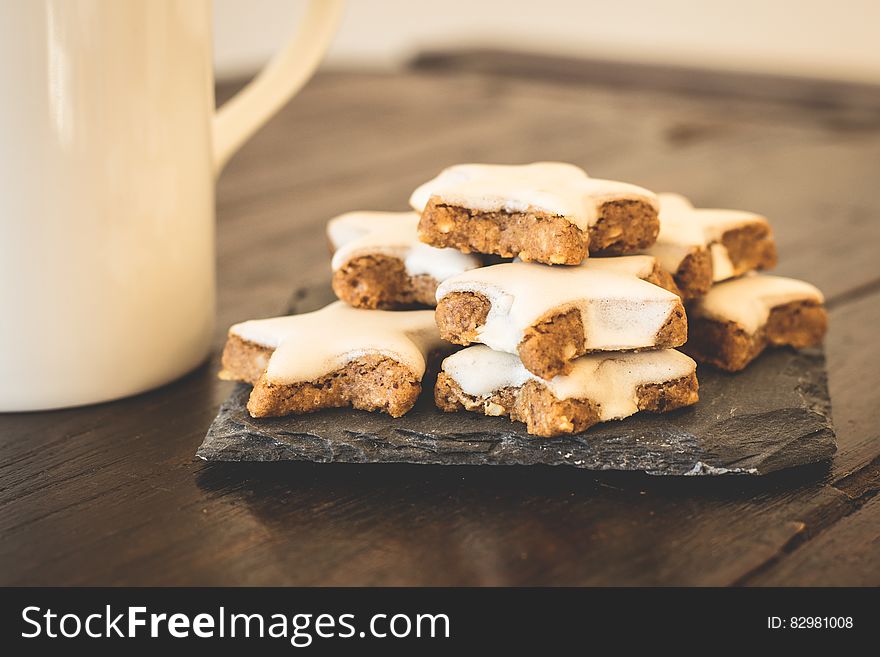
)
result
[(111, 494)]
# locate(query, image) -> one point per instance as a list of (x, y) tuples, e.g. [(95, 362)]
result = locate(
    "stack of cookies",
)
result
[(568, 292)]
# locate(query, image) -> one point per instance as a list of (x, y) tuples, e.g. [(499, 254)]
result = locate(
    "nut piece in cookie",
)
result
[(338, 356), (599, 388), (738, 319), (379, 262), (549, 316), (549, 212), (703, 246)]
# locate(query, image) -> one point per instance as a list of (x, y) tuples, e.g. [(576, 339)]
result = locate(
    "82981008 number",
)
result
[(820, 622)]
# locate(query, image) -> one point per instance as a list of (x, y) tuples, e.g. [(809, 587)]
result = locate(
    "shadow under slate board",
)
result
[(774, 415)]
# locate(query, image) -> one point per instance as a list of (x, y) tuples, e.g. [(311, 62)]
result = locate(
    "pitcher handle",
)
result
[(280, 79)]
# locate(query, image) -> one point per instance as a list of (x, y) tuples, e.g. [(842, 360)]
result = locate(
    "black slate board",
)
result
[(774, 415)]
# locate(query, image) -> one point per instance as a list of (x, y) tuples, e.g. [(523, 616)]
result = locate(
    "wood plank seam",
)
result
[(863, 483), (856, 293), (815, 93), (858, 492)]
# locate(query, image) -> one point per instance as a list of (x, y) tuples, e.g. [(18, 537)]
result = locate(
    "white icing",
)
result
[(619, 310), (310, 345), (722, 265), (350, 226), (749, 300), (611, 380), (393, 234), (671, 202), (553, 187), (640, 266), (684, 229), (480, 371)]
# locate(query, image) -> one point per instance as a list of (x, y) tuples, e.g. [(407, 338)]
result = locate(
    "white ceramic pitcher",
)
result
[(109, 148)]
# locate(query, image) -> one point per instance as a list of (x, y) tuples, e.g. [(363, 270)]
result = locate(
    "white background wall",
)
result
[(825, 38)]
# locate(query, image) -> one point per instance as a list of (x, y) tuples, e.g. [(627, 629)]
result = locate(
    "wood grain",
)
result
[(853, 546), (851, 345), (111, 494)]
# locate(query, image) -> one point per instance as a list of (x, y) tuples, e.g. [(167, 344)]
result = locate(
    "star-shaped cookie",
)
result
[(739, 318), (549, 212), (699, 246), (551, 315), (599, 388), (336, 356), (379, 261)]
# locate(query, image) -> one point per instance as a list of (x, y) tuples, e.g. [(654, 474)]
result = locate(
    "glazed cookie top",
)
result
[(619, 310), (611, 380), (633, 265), (640, 266), (748, 301), (684, 228), (395, 234), (556, 188), (310, 345)]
